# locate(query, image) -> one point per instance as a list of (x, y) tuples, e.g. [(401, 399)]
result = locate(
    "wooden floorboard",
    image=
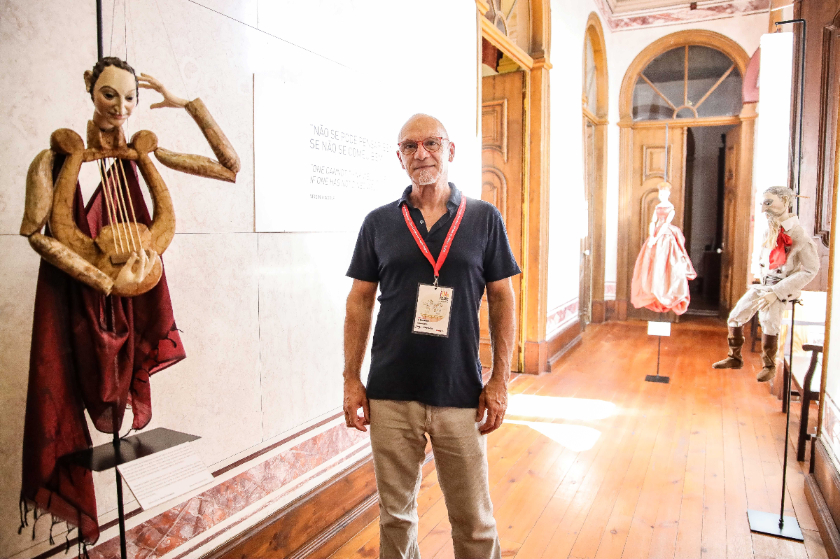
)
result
[(670, 472)]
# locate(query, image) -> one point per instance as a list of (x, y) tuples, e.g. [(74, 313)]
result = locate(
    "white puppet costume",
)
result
[(789, 261)]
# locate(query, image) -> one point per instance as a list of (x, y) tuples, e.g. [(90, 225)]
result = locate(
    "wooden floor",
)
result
[(608, 465)]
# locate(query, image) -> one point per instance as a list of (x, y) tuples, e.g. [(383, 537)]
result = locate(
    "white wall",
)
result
[(567, 214), (261, 314)]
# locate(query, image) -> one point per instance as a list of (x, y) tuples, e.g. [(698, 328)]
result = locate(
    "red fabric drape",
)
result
[(89, 352)]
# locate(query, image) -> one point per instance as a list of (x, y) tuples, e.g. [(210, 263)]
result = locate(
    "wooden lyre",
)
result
[(98, 262)]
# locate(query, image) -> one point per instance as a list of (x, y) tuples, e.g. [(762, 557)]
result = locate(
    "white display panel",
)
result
[(773, 135), (325, 143)]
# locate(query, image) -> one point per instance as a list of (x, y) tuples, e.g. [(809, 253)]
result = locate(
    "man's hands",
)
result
[(355, 397), (493, 400)]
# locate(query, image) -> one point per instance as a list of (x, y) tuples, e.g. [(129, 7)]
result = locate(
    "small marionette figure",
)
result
[(103, 320), (789, 261), (663, 268)]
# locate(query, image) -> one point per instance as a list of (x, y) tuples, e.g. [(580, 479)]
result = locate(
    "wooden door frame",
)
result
[(595, 33), (743, 204), (533, 354)]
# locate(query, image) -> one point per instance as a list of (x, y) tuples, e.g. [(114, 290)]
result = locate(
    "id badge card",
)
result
[(434, 306)]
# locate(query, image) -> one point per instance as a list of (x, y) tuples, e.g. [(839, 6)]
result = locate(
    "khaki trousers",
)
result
[(398, 438)]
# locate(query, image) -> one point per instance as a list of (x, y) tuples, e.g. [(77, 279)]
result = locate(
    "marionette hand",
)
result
[(136, 269), (766, 300), (148, 82), (355, 397)]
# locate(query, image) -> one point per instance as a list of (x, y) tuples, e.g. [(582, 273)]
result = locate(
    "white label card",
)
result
[(432, 314), (165, 475), (659, 328)]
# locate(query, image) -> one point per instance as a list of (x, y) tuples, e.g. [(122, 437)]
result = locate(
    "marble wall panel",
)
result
[(42, 87), (215, 391), (18, 276), (302, 294)]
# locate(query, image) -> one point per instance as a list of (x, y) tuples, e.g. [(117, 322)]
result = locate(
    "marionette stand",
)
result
[(767, 522), (121, 451), (657, 377)]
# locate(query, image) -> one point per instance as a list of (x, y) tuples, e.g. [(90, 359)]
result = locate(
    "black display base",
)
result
[(121, 451), (657, 378), (110, 455), (768, 523)]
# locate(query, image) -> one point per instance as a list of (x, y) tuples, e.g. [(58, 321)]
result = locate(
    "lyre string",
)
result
[(121, 204), (110, 210), (122, 183), (115, 204), (119, 224), (131, 204)]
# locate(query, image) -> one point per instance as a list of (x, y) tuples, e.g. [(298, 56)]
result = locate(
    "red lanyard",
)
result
[(444, 252)]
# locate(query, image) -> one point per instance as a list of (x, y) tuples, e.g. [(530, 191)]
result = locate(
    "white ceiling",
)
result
[(622, 7)]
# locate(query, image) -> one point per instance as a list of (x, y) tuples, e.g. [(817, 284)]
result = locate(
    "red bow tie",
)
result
[(778, 256)]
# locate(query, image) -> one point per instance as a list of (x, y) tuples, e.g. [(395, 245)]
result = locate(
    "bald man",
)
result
[(431, 253)]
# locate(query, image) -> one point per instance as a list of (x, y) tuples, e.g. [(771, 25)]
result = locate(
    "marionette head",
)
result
[(776, 207), (664, 191), (113, 87)]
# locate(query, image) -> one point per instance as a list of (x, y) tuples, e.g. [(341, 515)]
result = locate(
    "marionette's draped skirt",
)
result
[(660, 278)]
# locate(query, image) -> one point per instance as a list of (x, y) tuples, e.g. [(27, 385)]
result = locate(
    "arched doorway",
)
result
[(595, 106), (682, 90), (514, 40)]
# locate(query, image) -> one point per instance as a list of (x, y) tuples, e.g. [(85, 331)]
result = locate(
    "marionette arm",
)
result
[(808, 270), (39, 198), (228, 163)]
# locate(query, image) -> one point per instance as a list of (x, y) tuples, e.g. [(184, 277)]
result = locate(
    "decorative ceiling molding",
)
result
[(622, 15)]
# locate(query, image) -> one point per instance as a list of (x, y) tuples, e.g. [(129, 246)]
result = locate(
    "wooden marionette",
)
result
[(103, 319), (124, 257)]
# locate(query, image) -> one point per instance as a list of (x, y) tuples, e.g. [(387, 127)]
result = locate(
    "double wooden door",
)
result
[(651, 163), (502, 159)]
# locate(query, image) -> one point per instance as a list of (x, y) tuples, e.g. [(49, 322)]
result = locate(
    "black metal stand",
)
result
[(766, 522), (99, 48), (121, 451), (657, 377)]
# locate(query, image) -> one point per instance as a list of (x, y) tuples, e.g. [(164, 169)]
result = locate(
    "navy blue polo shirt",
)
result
[(433, 370)]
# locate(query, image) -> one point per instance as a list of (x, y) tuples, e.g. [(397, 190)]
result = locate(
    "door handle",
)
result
[(586, 252), (719, 251)]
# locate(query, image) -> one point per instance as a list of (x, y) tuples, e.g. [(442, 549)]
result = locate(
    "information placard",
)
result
[(325, 147), (165, 475), (659, 328)]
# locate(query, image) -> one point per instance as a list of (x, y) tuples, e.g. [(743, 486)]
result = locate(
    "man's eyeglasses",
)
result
[(432, 144)]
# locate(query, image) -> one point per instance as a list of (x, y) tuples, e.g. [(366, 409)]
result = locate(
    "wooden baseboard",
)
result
[(308, 524), (609, 310), (563, 342), (822, 490), (599, 312)]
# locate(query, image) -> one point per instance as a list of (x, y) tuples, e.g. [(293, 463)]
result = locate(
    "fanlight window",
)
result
[(512, 18), (688, 82)]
